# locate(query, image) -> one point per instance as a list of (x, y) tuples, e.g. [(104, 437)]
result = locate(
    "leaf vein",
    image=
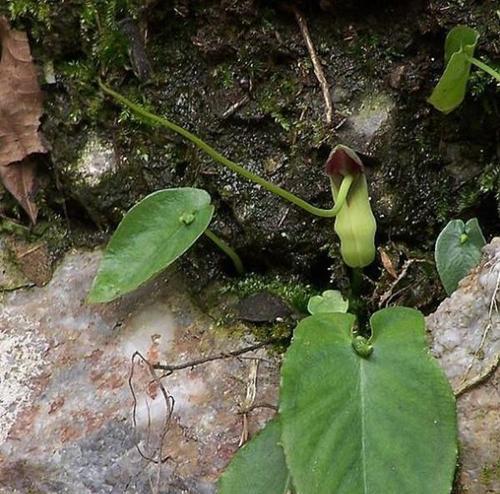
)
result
[(363, 427)]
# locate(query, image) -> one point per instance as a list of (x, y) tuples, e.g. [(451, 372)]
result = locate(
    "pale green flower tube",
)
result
[(355, 224)]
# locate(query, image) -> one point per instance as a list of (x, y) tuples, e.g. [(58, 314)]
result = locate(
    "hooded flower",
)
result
[(355, 224), (343, 161)]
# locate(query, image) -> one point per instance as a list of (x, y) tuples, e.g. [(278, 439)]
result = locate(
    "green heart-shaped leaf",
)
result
[(152, 235), (458, 250), (328, 301), (459, 49), (258, 467), (375, 422)]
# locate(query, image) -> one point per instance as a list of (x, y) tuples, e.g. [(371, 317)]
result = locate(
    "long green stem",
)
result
[(484, 67), (141, 112), (356, 304), (227, 249), (340, 197)]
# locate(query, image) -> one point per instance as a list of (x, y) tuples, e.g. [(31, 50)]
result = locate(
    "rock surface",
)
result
[(65, 400), (465, 333), (66, 405), (97, 158)]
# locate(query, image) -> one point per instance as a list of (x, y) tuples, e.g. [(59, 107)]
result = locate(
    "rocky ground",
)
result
[(68, 409), (66, 401)]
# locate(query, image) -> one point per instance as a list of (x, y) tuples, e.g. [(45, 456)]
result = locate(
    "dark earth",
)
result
[(192, 61)]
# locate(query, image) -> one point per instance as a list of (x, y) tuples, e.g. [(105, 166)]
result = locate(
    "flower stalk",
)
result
[(235, 167)]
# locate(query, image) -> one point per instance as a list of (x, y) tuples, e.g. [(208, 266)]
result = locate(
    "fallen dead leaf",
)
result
[(387, 263), (20, 180), (20, 111)]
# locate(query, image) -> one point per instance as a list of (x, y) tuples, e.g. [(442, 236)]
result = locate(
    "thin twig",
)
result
[(30, 251), (236, 106), (340, 124), (255, 406), (480, 378), (249, 400), (386, 297), (203, 360), (169, 402), (15, 288), (318, 69), (280, 222)]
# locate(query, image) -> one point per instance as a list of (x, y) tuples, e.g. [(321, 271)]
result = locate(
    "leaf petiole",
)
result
[(485, 67), (275, 189), (227, 249)]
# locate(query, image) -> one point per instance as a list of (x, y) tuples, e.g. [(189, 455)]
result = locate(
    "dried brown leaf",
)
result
[(20, 180), (20, 111), (387, 263)]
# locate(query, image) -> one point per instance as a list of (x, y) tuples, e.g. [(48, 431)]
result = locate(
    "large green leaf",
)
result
[(458, 250), (380, 424), (258, 467), (459, 49), (153, 234)]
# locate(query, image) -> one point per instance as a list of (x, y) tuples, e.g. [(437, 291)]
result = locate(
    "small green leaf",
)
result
[(328, 301), (459, 49), (258, 467), (377, 425), (458, 250), (152, 235)]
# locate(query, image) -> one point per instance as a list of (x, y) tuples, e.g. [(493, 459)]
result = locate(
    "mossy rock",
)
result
[(205, 59)]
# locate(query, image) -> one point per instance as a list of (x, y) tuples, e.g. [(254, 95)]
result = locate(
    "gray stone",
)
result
[(96, 159), (465, 335), (65, 401), (373, 114)]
